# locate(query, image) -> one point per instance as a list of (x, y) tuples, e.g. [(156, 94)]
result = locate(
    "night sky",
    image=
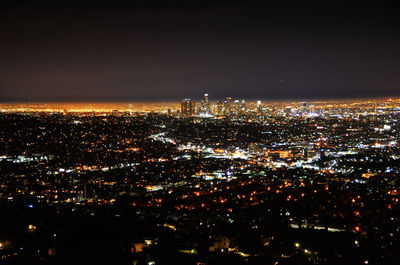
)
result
[(167, 50)]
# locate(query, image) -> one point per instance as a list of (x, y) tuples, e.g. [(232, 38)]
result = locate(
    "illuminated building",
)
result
[(206, 104), (243, 108), (304, 107), (279, 154), (220, 107), (228, 105), (237, 107), (188, 107), (288, 110), (256, 149), (259, 107)]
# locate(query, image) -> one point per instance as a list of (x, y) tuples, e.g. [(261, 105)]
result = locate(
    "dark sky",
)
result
[(166, 50)]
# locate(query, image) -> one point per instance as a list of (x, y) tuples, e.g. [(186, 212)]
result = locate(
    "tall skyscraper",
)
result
[(206, 101), (205, 105), (219, 108), (304, 107), (259, 107), (288, 110), (188, 107), (228, 106), (243, 107), (237, 107)]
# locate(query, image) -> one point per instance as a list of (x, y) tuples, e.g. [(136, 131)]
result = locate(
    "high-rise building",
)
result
[(288, 110), (237, 107), (219, 110), (205, 105), (243, 107), (259, 107), (188, 107), (228, 106), (304, 107), (130, 109)]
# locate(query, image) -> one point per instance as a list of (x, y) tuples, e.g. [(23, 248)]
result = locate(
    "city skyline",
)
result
[(213, 105), (199, 132), (259, 184)]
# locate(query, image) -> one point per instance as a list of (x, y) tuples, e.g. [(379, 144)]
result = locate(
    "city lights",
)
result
[(257, 168)]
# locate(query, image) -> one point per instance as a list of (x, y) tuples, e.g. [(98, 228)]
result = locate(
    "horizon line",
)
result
[(326, 99)]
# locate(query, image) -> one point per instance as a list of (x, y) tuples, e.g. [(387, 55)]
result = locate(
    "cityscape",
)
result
[(199, 132), (201, 182)]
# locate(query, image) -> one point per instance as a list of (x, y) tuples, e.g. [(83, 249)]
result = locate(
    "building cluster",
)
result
[(229, 107), (220, 108)]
